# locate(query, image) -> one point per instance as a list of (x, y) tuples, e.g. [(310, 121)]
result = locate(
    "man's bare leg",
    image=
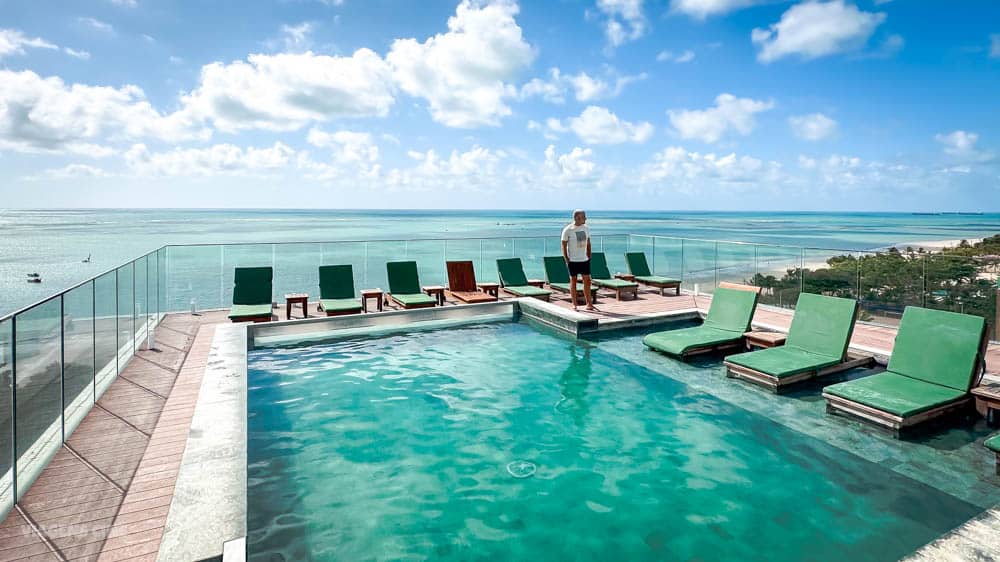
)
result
[(572, 290), (587, 294)]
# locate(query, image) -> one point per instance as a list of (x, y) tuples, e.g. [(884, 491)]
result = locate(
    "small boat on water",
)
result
[(33, 275), (87, 259), (34, 279)]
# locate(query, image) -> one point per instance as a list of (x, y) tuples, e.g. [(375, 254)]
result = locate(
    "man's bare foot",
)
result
[(592, 308)]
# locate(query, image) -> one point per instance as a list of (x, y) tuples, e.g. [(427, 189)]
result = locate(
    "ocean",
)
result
[(54, 243)]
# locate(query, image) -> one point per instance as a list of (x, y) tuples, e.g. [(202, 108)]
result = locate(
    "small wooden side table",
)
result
[(988, 400), (296, 298), (436, 291), (371, 294), (492, 289), (764, 339), (625, 277), (540, 283)]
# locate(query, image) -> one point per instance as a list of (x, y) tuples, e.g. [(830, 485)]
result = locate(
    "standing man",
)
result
[(576, 252)]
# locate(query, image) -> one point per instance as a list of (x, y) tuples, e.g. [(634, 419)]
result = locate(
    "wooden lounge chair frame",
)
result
[(898, 425), (777, 385), (462, 283)]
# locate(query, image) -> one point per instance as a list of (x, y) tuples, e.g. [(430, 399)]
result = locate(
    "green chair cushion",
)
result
[(614, 283), (527, 291), (656, 280), (731, 309), (677, 342), (403, 278), (414, 299), (993, 443), (822, 325), (637, 265), (781, 362), (340, 305), (937, 347), (564, 287), (249, 311), (252, 285), (599, 267), (556, 270), (336, 282), (895, 393), (511, 272)]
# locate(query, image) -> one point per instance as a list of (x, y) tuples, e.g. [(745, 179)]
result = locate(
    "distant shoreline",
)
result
[(936, 245)]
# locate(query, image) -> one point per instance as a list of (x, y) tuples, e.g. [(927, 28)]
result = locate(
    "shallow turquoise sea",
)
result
[(507, 442), (53, 243)]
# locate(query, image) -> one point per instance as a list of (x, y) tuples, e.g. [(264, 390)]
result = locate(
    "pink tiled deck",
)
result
[(106, 494)]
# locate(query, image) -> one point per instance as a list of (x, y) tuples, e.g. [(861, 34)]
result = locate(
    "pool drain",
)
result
[(521, 469)]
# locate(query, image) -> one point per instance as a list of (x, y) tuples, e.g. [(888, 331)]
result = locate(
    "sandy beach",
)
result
[(936, 245)]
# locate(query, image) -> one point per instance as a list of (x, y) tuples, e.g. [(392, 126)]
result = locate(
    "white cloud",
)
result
[(82, 55), (574, 166), (46, 115), (71, 171), (295, 38), (597, 125), (477, 167), (464, 74), (625, 20), (14, 42), (684, 170), (350, 151), (680, 58), (812, 127), (286, 91), (585, 87), (961, 145), (995, 45), (710, 125), (815, 29), (96, 24), (701, 9), (219, 159), (125, 3)]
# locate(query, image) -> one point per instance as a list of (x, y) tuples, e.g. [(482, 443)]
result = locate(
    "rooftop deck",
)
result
[(107, 493)]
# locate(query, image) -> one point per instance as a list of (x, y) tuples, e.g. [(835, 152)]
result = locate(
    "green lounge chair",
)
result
[(404, 285), (637, 266), (513, 280), (557, 275), (937, 357), (251, 294), (816, 345), (600, 275), (728, 319), (336, 290)]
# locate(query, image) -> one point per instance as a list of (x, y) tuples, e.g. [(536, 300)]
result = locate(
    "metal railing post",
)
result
[(13, 405), (716, 264), (62, 365)]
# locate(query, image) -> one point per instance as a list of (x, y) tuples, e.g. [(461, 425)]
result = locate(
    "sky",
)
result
[(835, 105)]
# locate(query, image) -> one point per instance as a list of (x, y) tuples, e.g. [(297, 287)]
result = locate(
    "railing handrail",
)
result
[(61, 292)]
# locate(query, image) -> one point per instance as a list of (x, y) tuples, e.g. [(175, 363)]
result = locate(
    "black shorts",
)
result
[(579, 268)]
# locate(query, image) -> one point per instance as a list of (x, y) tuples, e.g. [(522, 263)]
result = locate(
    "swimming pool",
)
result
[(506, 441)]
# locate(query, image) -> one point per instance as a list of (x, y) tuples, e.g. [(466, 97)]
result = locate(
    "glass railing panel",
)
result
[(779, 275), (699, 265), (195, 274), (889, 283), (38, 404), (831, 273), (665, 257), (736, 263), (429, 255), (296, 270), (493, 249), (614, 248), (961, 284), (141, 302), (346, 253), (466, 250), (377, 254), (6, 410), (78, 344), (241, 255), (126, 315), (531, 251), (105, 331), (638, 243)]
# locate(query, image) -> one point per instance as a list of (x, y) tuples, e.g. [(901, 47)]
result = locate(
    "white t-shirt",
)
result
[(576, 238)]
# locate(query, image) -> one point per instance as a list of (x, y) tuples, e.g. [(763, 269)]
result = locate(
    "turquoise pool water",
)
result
[(401, 447)]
